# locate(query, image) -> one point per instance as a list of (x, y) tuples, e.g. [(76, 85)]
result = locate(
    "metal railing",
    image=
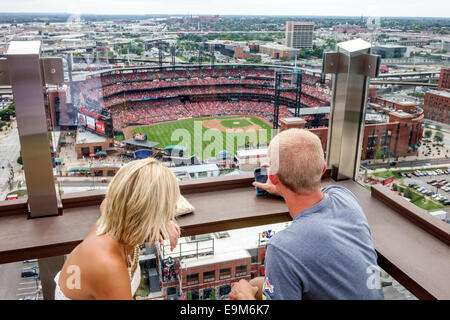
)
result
[(27, 72)]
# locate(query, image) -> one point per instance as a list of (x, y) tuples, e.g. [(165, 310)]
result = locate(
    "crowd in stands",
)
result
[(207, 90), (150, 112), (103, 86), (153, 95)]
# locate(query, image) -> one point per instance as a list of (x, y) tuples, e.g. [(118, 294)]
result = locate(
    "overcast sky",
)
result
[(415, 8)]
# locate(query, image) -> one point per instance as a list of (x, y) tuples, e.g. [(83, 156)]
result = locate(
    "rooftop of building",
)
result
[(197, 169), (442, 93), (293, 119), (230, 248), (85, 136), (399, 99), (312, 111), (278, 46), (308, 23)]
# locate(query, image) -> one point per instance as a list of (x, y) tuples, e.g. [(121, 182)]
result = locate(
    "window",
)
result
[(209, 276), (241, 271), (192, 279), (225, 274), (254, 255)]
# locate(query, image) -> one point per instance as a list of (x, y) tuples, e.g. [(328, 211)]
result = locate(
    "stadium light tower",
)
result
[(172, 54), (200, 53), (160, 45), (296, 84), (213, 56)]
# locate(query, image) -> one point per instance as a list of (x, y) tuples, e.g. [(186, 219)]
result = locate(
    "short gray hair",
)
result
[(296, 157)]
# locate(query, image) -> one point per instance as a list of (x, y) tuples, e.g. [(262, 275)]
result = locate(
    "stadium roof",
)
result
[(196, 169), (312, 111), (139, 143)]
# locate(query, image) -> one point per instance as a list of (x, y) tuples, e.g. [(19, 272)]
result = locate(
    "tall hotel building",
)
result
[(299, 34)]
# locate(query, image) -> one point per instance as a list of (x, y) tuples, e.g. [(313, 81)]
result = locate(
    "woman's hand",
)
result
[(174, 234)]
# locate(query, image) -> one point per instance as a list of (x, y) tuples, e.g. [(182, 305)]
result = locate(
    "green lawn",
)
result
[(389, 173), (119, 137), (202, 142), (419, 200), (386, 174), (20, 193)]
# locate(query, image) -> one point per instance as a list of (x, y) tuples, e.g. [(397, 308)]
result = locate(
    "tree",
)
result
[(302, 54), (428, 134), (438, 137), (408, 193)]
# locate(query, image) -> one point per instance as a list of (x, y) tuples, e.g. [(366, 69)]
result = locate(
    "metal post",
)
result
[(27, 72), (298, 102), (276, 105), (48, 268), (351, 66)]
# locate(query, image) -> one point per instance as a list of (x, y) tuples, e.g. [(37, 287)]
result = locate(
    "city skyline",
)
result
[(433, 8)]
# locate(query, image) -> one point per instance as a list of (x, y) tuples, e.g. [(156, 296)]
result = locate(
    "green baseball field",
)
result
[(206, 137)]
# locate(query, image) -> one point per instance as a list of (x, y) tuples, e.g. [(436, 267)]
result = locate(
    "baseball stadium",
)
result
[(243, 102)]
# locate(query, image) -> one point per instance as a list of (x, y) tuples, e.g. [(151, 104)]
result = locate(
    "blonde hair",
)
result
[(296, 157), (140, 203)]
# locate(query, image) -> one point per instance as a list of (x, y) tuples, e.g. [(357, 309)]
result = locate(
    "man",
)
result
[(327, 251)]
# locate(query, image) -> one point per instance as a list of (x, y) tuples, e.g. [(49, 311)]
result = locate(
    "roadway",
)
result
[(9, 152), (407, 163)]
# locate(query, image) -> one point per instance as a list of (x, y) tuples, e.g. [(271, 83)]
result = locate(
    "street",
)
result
[(9, 152)]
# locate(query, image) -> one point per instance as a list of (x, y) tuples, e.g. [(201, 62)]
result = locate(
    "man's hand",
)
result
[(243, 290), (268, 186), (174, 235)]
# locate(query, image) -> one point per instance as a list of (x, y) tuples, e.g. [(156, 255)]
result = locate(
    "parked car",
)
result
[(31, 261), (26, 273)]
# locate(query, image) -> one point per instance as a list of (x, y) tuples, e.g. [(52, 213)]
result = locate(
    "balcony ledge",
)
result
[(412, 246)]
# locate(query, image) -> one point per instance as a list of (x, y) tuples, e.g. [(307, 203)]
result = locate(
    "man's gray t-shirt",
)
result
[(326, 253)]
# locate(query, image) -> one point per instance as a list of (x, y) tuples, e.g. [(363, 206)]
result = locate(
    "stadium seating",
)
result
[(152, 96)]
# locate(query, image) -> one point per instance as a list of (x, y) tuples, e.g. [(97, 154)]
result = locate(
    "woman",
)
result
[(139, 207)]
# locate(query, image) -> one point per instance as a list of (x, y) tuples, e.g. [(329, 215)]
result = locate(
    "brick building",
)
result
[(436, 106), (444, 79), (393, 126), (205, 267), (436, 103), (278, 51), (88, 142)]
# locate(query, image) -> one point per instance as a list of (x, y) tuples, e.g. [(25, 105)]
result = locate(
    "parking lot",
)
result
[(439, 190), (26, 288)]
